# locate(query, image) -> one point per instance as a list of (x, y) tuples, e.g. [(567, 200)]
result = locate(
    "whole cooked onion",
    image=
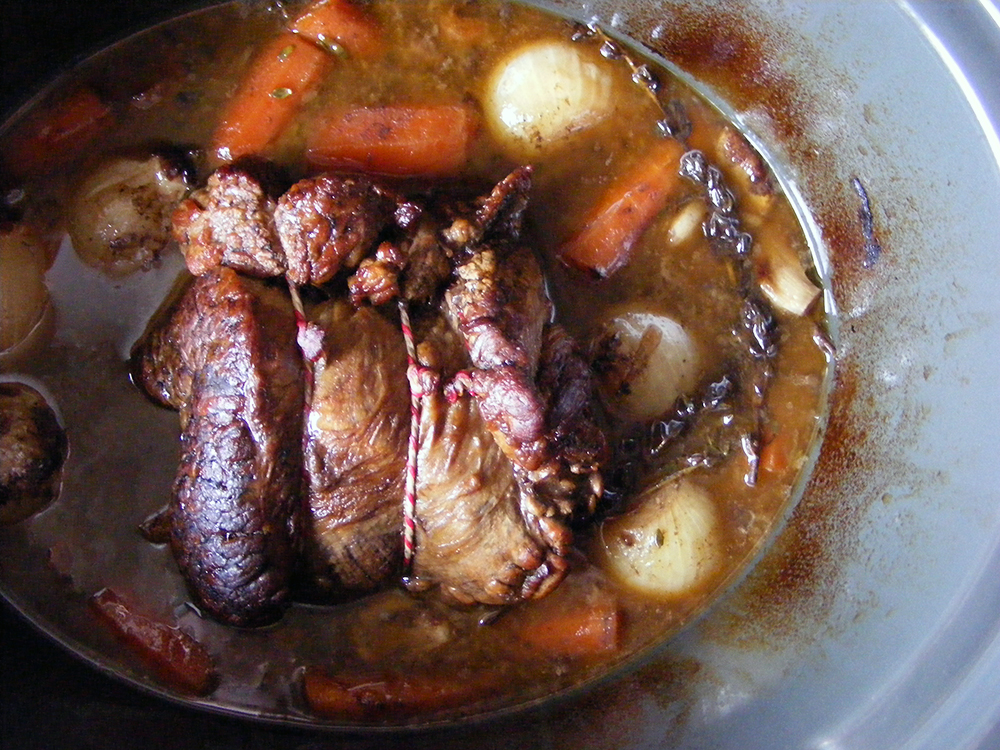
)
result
[(651, 361), (545, 92), (23, 294), (119, 218), (668, 544)]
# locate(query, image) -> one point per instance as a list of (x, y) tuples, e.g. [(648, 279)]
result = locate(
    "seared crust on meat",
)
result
[(355, 446), (330, 221), (534, 389), (231, 223), (498, 303), (471, 536), (235, 373)]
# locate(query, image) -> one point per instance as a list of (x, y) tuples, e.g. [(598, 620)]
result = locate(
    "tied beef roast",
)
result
[(356, 435), (226, 358), (472, 538), (295, 432)]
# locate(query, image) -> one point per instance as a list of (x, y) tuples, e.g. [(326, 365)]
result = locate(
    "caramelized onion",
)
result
[(667, 545)]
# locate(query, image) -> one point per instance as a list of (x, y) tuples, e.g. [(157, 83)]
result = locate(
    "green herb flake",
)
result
[(286, 52), (281, 93), (331, 45)]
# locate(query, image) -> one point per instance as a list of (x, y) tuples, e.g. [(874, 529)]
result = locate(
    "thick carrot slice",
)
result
[(624, 212), (270, 95), (394, 140), (774, 454), (356, 697), (176, 656), (58, 134), (339, 23), (583, 629), (287, 69)]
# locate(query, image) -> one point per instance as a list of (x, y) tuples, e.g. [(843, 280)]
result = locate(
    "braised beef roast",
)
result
[(226, 358), (356, 437), (507, 451), (472, 535)]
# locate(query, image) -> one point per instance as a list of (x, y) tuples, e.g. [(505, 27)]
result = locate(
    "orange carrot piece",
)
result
[(624, 212), (287, 69), (774, 454), (356, 697), (59, 133), (269, 97), (173, 654), (586, 629), (394, 140), (341, 22)]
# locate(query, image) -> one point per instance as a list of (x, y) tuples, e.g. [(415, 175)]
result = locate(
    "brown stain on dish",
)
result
[(736, 55), (719, 49), (790, 594)]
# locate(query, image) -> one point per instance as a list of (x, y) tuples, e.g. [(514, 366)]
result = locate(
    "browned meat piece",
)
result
[(330, 221), (355, 449), (501, 213), (32, 452), (576, 446), (543, 420), (418, 264), (231, 222), (427, 265), (471, 537), (377, 279), (567, 384), (498, 303), (227, 358), (495, 216)]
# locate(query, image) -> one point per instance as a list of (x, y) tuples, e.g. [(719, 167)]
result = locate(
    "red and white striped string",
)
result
[(410, 491), (310, 340)]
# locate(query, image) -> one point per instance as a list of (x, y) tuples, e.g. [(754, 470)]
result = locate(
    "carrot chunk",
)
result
[(394, 140), (269, 97), (774, 454), (288, 69), (58, 134), (356, 697), (586, 629), (173, 654), (625, 211), (339, 22)]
